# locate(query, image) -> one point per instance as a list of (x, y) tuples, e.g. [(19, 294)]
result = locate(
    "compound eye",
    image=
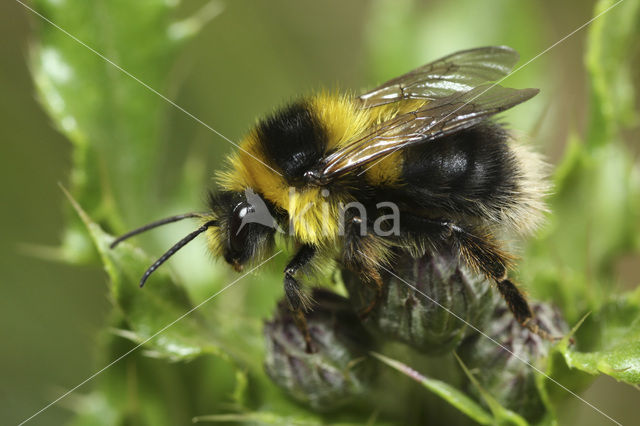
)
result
[(239, 226)]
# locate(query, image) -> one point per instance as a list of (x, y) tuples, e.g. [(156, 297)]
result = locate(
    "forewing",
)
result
[(458, 72), (435, 120)]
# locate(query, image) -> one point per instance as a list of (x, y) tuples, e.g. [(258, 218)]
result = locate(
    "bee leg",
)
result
[(295, 297), (374, 281), (361, 254), (481, 252), (484, 254), (299, 301), (518, 305)]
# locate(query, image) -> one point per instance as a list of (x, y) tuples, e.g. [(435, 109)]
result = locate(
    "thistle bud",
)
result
[(336, 371), (417, 317), (503, 371)]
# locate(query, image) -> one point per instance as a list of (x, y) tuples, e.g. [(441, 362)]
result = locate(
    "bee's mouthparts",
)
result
[(237, 266)]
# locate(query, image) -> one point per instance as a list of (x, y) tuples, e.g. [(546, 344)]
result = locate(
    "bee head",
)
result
[(239, 227), (245, 226)]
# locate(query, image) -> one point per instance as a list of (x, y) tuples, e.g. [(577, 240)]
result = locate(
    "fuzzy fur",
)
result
[(461, 192)]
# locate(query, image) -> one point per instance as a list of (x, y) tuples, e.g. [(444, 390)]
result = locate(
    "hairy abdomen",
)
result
[(475, 173)]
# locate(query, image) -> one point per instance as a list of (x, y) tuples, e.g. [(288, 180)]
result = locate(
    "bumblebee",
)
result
[(418, 157)]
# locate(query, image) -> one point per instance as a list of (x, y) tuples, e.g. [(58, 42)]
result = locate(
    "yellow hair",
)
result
[(343, 120)]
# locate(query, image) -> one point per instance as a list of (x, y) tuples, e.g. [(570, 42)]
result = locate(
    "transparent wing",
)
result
[(458, 72), (435, 120)]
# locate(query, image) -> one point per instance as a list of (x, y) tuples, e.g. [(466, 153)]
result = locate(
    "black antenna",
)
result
[(153, 225), (183, 242)]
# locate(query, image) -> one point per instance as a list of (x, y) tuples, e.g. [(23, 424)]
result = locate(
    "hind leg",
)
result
[(480, 251), (518, 305)]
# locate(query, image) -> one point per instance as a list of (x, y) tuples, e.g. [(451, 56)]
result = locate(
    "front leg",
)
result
[(299, 301)]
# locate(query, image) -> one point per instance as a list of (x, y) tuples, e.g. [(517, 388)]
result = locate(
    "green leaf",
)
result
[(161, 318), (259, 417), (138, 390), (267, 418), (444, 390), (501, 414), (114, 122), (93, 410), (612, 39), (609, 341)]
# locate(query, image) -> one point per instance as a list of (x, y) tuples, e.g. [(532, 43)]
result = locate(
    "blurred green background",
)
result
[(250, 58)]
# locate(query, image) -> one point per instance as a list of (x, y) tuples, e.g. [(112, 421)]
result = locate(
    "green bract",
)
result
[(505, 371), (115, 122), (434, 316), (337, 370)]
